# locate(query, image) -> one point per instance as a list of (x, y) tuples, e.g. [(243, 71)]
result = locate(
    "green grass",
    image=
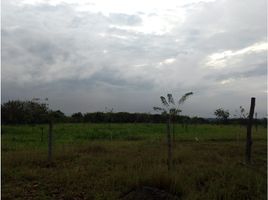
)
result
[(87, 164)]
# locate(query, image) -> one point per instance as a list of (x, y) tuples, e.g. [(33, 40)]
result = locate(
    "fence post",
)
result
[(50, 141), (249, 128)]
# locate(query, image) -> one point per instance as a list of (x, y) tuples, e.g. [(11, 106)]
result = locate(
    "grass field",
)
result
[(105, 161)]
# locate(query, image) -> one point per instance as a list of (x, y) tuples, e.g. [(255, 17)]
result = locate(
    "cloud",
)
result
[(124, 19), (220, 60), (256, 71), (120, 51)]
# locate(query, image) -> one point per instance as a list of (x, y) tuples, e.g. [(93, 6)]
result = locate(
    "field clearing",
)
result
[(105, 161)]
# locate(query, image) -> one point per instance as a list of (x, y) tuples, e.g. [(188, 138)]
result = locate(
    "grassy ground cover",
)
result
[(105, 161)]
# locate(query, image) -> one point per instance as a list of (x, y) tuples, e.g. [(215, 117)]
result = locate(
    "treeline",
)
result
[(125, 117), (28, 112)]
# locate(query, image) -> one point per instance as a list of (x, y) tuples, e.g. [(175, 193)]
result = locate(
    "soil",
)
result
[(149, 193)]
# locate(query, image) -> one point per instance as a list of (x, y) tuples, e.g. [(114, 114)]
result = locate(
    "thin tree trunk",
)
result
[(173, 131), (249, 128), (169, 161)]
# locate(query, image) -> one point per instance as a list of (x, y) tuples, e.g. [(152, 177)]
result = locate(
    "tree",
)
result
[(57, 116), (222, 115), (16, 112), (170, 110), (77, 117), (242, 115)]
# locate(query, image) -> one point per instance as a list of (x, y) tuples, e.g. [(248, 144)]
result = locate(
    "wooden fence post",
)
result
[(249, 128), (50, 141)]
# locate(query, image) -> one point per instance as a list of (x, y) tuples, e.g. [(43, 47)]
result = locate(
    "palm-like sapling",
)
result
[(170, 109)]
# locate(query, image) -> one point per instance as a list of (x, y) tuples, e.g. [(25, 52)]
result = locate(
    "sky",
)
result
[(90, 55)]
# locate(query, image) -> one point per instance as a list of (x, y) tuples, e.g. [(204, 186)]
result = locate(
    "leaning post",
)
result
[(249, 131)]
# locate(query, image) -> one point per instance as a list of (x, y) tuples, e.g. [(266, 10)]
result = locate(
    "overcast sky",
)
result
[(90, 54)]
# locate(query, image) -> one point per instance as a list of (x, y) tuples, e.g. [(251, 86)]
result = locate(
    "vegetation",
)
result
[(222, 115), (171, 110), (28, 112), (15, 112), (105, 161), (23, 112), (87, 165)]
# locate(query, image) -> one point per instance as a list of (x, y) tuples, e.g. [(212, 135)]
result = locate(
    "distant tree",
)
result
[(198, 120), (12, 112), (109, 113), (57, 116), (17, 112), (242, 116), (77, 117), (222, 115), (242, 112), (96, 117)]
